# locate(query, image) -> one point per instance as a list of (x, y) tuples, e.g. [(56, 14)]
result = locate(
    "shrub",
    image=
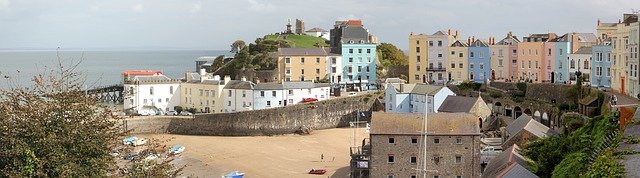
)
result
[(495, 94)]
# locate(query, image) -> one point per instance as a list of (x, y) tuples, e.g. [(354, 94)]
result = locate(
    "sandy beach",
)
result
[(266, 156)]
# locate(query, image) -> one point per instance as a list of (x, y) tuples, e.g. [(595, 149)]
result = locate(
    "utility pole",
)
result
[(424, 151)]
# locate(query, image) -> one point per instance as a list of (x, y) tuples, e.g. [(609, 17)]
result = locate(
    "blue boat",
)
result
[(234, 174)]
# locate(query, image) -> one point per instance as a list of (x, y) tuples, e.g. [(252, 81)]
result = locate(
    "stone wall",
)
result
[(283, 120), (548, 92)]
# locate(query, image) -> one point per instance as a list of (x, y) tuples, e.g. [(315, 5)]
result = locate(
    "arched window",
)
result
[(151, 90), (572, 64), (171, 90)]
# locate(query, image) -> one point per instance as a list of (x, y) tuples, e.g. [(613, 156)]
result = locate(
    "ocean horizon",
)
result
[(100, 67)]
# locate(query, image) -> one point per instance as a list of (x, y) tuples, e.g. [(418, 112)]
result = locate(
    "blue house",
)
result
[(562, 51), (479, 65), (359, 66), (601, 65)]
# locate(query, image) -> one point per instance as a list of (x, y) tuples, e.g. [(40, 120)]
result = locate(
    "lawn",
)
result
[(299, 41)]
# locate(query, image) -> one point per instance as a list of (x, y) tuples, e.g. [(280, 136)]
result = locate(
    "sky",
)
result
[(214, 25)]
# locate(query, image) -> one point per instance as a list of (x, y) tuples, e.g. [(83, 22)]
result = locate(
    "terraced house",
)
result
[(504, 58), (418, 58), (438, 45), (358, 50), (303, 64), (601, 65), (479, 61), (458, 62)]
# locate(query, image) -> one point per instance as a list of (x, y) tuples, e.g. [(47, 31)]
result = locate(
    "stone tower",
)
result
[(299, 27)]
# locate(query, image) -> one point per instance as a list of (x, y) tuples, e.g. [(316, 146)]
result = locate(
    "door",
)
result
[(553, 77), (622, 85)]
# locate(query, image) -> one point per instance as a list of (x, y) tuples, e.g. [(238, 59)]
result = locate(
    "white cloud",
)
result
[(4, 4), (194, 8), (256, 6), (137, 8)]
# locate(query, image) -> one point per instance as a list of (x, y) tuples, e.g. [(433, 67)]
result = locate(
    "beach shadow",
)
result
[(342, 172)]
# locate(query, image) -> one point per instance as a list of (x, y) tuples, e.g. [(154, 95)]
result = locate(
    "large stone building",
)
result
[(452, 145), (418, 60), (458, 62), (415, 98)]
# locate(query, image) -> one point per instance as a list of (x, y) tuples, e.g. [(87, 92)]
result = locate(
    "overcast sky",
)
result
[(201, 24)]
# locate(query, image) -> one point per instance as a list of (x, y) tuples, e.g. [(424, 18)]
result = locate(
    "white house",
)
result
[(245, 95), (415, 98), (318, 32), (151, 94), (580, 61), (334, 68)]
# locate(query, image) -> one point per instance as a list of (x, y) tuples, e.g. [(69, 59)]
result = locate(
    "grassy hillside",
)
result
[(299, 41)]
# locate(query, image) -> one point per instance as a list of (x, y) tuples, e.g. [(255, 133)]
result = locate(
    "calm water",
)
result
[(101, 67)]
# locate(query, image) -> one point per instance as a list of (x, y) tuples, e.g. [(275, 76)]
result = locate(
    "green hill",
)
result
[(299, 41)]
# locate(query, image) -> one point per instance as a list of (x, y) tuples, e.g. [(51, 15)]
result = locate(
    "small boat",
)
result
[(318, 171), (234, 174)]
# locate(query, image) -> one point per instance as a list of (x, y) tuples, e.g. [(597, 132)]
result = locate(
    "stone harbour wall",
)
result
[(326, 114)]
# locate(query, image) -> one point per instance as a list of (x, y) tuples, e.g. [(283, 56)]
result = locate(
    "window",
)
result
[(453, 53), (453, 65), (418, 49), (413, 160), (414, 140), (288, 71), (439, 55), (350, 59), (171, 90), (369, 59), (350, 51), (436, 159), (436, 177), (439, 43), (317, 71), (302, 60), (302, 71), (244, 93), (367, 69), (458, 159), (471, 54), (151, 90), (417, 68), (317, 60), (461, 55), (333, 70), (436, 140), (471, 66), (560, 51), (586, 64), (500, 62), (458, 140), (430, 43), (167, 100), (359, 50), (418, 59), (273, 93), (290, 100), (368, 51), (229, 93), (268, 103), (228, 103), (144, 101), (572, 64), (201, 92), (262, 93), (359, 68), (290, 92), (390, 159), (460, 65), (481, 66), (392, 140), (287, 60), (360, 59), (389, 176)]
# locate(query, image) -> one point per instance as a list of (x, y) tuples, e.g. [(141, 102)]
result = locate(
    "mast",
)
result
[(424, 136)]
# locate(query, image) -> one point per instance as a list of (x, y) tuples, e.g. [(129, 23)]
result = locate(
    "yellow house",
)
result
[(303, 64), (203, 92), (418, 53), (457, 61)]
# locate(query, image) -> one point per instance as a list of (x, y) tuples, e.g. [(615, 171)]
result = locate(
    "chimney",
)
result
[(473, 38), (401, 87), (186, 76), (619, 21), (457, 35), (449, 32), (227, 79), (510, 34), (598, 22), (468, 40)]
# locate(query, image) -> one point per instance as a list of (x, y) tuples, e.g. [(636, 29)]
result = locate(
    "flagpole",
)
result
[(424, 151)]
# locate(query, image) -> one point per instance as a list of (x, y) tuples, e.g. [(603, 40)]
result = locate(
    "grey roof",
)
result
[(584, 50), (316, 30), (268, 86), (289, 85), (509, 40), (394, 80), (238, 84), (479, 43), (525, 122), (207, 82), (587, 37), (303, 51), (608, 24), (411, 123), (355, 34), (417, 88), (506, 165), (457, 104), (440, 33), (158, 78), (459, 43)]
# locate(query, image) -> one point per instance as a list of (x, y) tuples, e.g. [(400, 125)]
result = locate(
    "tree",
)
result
[(53, 129), (237, 45), (218, 62), (390, 55)]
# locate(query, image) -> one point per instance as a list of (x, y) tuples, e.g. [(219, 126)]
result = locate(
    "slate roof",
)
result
[(440, 32), (509, 163), (394, 80), (303, 51), (525, 122), (289, 85), (509, 40), (268, 86), (584, 50), (207, 82), (411, 123), (316, 30), (479, 43), (587, 37), (459, 43), (238, 84), (156, 78), (457, 104), (418, 88), (355, 33)]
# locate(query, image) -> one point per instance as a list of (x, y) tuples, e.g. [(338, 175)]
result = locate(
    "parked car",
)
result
[(151, 157), (130, 156), (186, 113), (172, 113), (140, 141), (306, 100), (489, 150), (177, 149), (129, 140), (352, 93)]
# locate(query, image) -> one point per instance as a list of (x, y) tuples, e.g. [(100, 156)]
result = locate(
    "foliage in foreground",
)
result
[(54, 130), (565, 156)]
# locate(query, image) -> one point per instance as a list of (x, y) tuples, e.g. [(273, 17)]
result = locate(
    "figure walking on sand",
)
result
[(322, 157)]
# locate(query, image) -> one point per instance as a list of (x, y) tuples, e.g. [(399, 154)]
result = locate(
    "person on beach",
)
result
[(321, 157)]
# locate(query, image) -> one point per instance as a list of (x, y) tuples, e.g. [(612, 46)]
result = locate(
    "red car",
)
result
[(306, 100)]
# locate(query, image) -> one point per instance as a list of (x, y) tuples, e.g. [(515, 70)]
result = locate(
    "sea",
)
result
[(99, 68)]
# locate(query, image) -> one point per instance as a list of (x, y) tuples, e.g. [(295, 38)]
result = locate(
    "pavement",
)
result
[(624, 100)]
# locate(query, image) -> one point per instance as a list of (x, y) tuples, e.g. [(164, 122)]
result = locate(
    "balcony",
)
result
[(436, 69)]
